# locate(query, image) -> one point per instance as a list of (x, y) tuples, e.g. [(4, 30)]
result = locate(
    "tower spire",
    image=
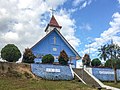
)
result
[(52, 24)]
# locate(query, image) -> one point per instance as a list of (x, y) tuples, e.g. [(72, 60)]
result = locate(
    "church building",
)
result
[(53, 43)]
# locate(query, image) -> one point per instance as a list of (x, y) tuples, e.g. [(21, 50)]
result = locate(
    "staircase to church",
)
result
[(86, 78)]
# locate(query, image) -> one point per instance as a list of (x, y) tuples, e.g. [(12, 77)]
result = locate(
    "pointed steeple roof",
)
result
[(53, 22)]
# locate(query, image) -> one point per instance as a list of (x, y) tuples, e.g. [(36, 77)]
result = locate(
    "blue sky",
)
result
[(86, 24), (93, 19)]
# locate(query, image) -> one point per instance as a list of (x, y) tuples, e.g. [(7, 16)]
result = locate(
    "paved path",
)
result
[(110, 88)]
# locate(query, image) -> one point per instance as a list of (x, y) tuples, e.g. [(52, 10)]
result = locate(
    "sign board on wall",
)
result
[(105, 74), (52, 70)]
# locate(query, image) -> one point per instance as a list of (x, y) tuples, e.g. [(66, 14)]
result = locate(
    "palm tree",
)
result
[(103, 52), (114, 52), (110, 51)]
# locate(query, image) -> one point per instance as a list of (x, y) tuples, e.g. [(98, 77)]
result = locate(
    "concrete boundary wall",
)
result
[(52, 72), (104, 74)]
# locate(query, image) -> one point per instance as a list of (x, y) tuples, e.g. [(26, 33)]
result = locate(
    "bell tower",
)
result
[(52, 24)]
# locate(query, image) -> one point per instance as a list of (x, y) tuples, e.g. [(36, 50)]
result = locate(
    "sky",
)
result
[(86, 24)]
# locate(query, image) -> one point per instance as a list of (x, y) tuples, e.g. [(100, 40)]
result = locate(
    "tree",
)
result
[(48, 59), (10, 53), (86, 60), (108, 63), (63, 58), (28, 56), (111, 51), (118, 64), (103, 52), (96, 62)]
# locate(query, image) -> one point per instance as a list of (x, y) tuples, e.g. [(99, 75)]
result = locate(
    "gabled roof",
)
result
[(53, 22), (62, 39)]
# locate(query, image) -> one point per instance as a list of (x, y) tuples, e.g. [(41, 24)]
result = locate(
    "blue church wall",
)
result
[(52, 44), (52, 72), (105, 74)]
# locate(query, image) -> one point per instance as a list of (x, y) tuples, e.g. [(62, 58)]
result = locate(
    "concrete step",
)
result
[(86, 78)]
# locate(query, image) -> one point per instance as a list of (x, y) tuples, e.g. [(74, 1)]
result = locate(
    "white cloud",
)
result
[(72, 10), (55, 3), (10, 36), (113, 32), (81, 3), (22, 22), (77, 2), (85, 27)]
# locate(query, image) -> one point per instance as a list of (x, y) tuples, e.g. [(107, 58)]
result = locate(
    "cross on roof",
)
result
[(52, 10)]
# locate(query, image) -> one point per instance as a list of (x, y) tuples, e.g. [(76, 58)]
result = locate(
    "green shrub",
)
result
[(63, 58), (118, 64), (28, 56), (48, 59), (96, 62), (109, 63), (10, 53)]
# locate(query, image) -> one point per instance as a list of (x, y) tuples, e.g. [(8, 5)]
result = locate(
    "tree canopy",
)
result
[(28, 56), (109, 51), (48, 59), (10, 53), (96, 62), (103, 52), (109, 63), (63, 58), (86, 60)]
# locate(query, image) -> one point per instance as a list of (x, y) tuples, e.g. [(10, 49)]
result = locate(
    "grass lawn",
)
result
[(13, 83), (112, 84)]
